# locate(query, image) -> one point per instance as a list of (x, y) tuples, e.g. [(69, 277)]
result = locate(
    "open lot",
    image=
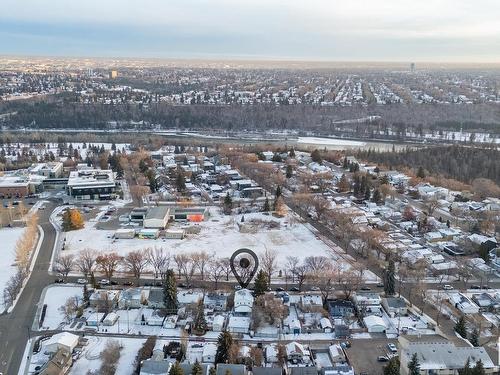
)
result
[(220, 235), (363, 355)]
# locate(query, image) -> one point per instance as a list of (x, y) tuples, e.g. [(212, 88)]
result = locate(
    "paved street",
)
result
[(14, 327)]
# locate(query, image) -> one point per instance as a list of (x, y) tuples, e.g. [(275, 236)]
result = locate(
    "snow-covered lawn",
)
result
[(8, 239), (220, 235), (55, 297), (90, 361)]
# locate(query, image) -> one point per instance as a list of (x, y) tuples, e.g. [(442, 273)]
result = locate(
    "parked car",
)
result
[(315, 288), (128, 283), (59, 281), (81, 281), (104, 282), (295, 289), (279, 289), (382, 358), (475, 287), (447, 287), (392, 347), (365, 288)]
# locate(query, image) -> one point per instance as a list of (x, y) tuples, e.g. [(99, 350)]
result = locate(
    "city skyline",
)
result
[(443, 31)]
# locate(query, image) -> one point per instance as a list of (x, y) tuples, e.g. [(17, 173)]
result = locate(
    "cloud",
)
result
[(315, 29)]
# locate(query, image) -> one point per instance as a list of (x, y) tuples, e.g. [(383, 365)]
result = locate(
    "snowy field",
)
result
[(8, 239), (330, 141), (54, 298), (220, 235)]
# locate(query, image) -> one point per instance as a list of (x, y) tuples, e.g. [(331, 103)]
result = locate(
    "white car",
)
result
[(392, 348), (81, 281), (104, 282), (447, 287)]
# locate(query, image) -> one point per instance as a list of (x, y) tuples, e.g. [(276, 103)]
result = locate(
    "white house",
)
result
[(243, 302), (209, 352), (463, 303), (218, 323), (64, 340), (326, 325), (296, 352), (110, 319), (374, 324), (238, 324)]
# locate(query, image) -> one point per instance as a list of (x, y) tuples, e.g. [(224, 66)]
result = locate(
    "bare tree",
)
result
[(317, 264), (226, 266), (186, 267), (268, 263), (302, 273), (215, 271), (86, 261), (321, 205), (70, 308), (109, 357), (159, 259), (200, 260), (108, 263), (64, 265), (291, 264), (135, 262)]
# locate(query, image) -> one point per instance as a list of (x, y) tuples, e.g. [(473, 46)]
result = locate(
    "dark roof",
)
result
[(311, 370), (266, 371), (152, 366), (234, 369), (395, 302), (187, 368)]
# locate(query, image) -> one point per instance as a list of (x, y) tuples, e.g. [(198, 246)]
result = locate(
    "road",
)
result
[(14, 327)]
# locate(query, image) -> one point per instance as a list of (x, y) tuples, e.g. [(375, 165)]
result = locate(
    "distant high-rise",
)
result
[(412, 67), (113, 74)]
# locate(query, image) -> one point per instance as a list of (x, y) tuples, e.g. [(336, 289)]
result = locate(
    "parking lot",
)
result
[(363, 355)]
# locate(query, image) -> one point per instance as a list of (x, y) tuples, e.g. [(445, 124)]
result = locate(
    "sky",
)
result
[(324, 30)]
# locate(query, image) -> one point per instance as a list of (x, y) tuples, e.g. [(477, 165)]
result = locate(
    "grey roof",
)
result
[(158, 212), (151, 366), (234, 369), (155, 295), (311, 370), (187, 368), (266, 371), (395, 302), (446, 355)]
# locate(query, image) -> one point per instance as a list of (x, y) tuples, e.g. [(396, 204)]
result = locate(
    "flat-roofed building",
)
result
[(436, 355), (91, 183), (157, 217)]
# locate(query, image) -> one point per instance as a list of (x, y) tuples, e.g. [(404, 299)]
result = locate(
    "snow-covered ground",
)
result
[(8, 239), (54, 297), (90, 360), (330, 141), (219, 235)]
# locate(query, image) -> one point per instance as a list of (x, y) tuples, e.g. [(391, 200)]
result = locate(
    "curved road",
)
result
[(15, 327)]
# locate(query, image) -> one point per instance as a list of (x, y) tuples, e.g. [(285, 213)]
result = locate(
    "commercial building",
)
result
[(89, 183), (438, 356), (14, 186), (157, 217), (50, 169)]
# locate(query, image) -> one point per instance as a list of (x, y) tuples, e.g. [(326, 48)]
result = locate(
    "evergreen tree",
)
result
[(200, 323), (289, 171), (345, 164), (176, 369), (414, 366), (460, 327), (390, 279), (316, 156), (277, 195), (197, 369), (377, 196), (180, 182), (474, 337), (392, 367), (86, 294), (467, 370), (261, 284), (170, 293), (420, 172), (224, 343), (479, 368), (266, 207), (291, 153), (228, 204)]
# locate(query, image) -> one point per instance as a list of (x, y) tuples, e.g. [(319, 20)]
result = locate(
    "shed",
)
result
[(124, 233), (64, 340)]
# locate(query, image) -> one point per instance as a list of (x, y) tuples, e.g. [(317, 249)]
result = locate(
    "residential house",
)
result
[(243, 302), (394, 306), (133, 298), (296, 353)]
